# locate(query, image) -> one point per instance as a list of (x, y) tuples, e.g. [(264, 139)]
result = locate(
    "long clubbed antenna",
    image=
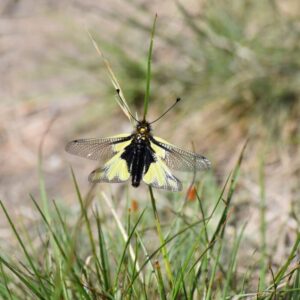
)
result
[(177, 100)]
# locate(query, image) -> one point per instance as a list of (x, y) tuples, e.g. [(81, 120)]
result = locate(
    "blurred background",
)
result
[(234, 63)]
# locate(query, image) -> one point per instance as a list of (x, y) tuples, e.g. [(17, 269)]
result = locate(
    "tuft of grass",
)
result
[(90, 258)]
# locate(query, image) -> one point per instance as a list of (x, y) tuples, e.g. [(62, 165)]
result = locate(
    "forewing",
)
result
[(159, 176), (99, 149), (178, 159), (115, 171)]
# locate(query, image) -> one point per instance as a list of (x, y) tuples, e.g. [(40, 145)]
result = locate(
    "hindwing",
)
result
[(159, 176), (115, 170)]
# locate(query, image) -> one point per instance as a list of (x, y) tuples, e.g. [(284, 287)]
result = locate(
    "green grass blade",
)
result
[(152, 269), (62, 223), (103, 257), (280, 274), (42, 186), (159, 250), (68, 257), (161, 238), (296, 285), (148, 79), (27, 255), (203, 215), (88, 226), (121, 229), (5, 281), (134, 270), (263, 228), (214, 271), (185, 295), (183, 269), (161, 286), (29, 283), (221, 225), (206, 256), (232, 263), (59, 279), (127, 245), (204, 260), (55, 237)]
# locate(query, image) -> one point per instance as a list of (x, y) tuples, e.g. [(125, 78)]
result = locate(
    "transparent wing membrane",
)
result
[(98, 149), (179, 159)]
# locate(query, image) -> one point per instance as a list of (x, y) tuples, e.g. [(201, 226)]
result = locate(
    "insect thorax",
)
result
[(143, 129)]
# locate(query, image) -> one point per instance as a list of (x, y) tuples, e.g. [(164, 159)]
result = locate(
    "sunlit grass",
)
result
[(90, 256)]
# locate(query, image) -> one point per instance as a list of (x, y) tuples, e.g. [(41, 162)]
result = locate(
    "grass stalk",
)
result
[(161, 286), (124, 235), (33, 288), (148, 80), (121, 99), (103, 256), (214, 271), (161, 238), (68, 256), (88, 225), (232, 263), (263, 227), (159, 249), (5, 281), (24, 248)]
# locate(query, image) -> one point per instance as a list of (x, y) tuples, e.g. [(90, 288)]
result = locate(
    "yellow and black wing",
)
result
[(108, 150), (178, 159), (168, 157), (160, 176), (115, 171)]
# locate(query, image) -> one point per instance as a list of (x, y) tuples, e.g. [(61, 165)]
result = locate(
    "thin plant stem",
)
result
[(147, 94), (161, 238), (263, 225)]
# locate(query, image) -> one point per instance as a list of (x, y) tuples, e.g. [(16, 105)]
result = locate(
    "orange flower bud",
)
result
[(134, 205), (191, 193)]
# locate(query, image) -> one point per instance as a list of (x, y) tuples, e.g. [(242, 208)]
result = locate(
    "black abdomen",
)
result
[(138, 156)]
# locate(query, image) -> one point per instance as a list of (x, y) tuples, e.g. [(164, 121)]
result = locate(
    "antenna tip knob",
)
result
[(178, 99)]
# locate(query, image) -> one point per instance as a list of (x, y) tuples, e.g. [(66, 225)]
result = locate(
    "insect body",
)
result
[(140, 155)]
